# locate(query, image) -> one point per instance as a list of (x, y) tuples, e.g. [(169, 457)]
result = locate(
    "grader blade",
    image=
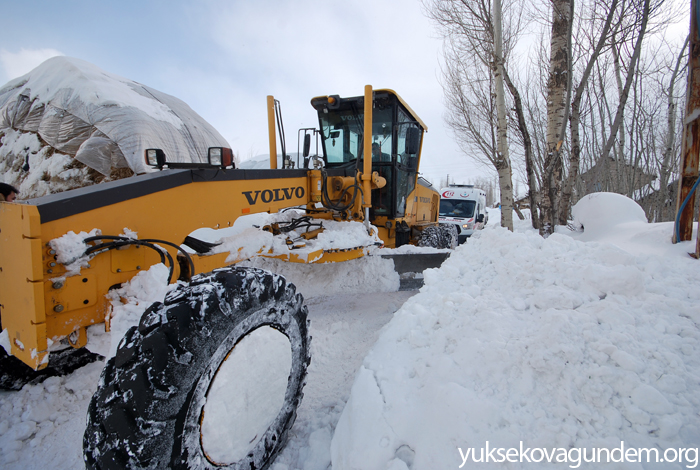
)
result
[(410, 267)]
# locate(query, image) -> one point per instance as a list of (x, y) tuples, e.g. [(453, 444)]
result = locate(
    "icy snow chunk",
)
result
[(23, 430), (627, 361), (38, 411), (70, 250), (556, 297), (651, 400)]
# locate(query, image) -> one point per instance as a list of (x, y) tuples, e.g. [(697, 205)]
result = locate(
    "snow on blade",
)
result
[(366, 274), (249, 242)]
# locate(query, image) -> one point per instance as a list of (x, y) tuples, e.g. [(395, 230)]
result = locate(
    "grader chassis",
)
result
[(149, 410)]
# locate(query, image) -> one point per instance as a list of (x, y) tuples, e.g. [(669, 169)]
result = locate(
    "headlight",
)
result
[(215, 156), (220, 156)]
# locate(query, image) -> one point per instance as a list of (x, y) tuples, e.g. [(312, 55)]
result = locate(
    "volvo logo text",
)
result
[(270, 195)]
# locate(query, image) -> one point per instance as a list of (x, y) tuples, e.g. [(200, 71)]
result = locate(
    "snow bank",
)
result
[(597, 213), (555, 343), (616, 219)]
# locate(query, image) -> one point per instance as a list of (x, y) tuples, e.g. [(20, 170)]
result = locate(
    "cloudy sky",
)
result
[(223, 57)]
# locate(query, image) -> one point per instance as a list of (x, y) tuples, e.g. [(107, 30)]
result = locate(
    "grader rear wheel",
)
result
[(439, 236), (15, 374), (211, 378)]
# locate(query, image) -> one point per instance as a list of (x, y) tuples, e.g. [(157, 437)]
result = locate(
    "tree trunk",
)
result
[(505, 177), (527, 144), (625, 91), (557, 87), (575, 155), (662, 206)]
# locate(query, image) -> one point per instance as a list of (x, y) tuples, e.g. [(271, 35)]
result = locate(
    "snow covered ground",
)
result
[(580, 341), (42, 425), (519, 343)]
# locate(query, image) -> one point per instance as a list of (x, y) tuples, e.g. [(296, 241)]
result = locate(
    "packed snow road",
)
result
[(42, 425)]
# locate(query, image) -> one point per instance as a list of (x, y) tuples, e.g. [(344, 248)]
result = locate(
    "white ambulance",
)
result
[(465, 206)]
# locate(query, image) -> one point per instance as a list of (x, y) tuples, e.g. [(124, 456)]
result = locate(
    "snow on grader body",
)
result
[(149, 410)]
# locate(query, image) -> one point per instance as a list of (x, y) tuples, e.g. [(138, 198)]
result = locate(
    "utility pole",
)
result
[(690, 156)]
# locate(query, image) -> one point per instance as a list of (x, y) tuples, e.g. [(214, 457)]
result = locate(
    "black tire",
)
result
[(439, 236), (15, 374), (147, 410)]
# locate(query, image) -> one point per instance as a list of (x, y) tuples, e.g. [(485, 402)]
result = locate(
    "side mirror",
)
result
[(412, 140), (155, 157), (480, 218), (307, 145)]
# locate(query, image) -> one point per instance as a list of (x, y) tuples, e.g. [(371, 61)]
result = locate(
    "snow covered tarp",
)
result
[(519, 342), (102, 120)]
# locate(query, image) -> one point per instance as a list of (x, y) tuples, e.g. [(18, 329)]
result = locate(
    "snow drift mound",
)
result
[(599, 212), (67, 114), (554, 343)]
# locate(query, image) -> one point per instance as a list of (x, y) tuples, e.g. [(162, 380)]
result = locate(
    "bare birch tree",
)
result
[(558, 86), (473, 72), (505, 175), (607, 85), (575, 114)]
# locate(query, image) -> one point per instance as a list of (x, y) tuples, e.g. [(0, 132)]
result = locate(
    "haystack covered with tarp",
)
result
[(68, 124)]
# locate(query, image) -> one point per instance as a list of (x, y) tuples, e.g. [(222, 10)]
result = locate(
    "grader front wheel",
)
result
[(211, 378)]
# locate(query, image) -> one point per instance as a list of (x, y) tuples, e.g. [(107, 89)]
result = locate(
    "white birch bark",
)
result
[(505, 176)]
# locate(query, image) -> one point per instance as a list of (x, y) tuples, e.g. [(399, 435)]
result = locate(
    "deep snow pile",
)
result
[(555, 343), (67, 111), (597, 213)]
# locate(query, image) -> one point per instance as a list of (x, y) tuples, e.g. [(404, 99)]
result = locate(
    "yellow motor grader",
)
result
[(150, 410)]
